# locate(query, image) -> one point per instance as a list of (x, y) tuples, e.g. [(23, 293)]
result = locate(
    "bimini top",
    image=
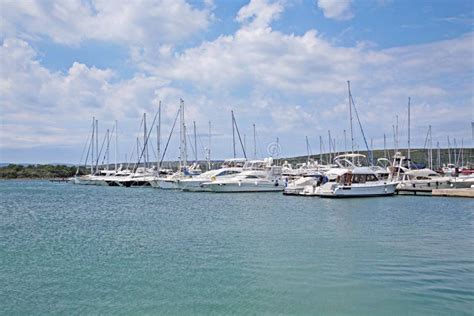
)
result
[(345, 156)]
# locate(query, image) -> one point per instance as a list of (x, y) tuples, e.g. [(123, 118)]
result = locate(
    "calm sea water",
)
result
[(68, 249)]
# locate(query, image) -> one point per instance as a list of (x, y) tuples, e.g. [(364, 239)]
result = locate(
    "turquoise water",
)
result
[(68, 249)]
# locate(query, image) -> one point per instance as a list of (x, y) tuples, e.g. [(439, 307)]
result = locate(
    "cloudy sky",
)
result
[(282, 65)]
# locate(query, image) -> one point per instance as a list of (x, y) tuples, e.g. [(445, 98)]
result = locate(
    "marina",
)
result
[(253, 157)]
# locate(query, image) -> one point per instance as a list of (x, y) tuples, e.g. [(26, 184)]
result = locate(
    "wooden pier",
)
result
[(469, 192)]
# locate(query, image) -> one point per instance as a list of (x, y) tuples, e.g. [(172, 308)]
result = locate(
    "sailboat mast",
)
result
[(195, 143), (350, 115), (307, 150), (254, 142), (97, 144), (330, 145), (209, 149), (345, 142), (93, 145), (438, 160), (185, 150), (158, 139), (431, 150), (397, 137), (449, 151), (409, 149), (145, 146), (233, 132), (320, 149), (116, 143), (108, 147)]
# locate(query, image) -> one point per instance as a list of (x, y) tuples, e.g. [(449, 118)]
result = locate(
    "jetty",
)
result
[(468, 192)]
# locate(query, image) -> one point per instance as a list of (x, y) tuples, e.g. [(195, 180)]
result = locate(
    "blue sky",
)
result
[(282, 65)]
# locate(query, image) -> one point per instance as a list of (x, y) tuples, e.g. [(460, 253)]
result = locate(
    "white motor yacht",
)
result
[(422, 182), (358, 182), (257, 176), (194, 183), (297, 186)]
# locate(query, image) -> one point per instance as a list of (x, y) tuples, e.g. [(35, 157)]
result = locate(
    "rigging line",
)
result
[(169, 137), (363, 134), (240, 139), (145, 144), (108, 144), (191, 144), (82, 155), (100, 152), (87, 157), (135, 144)]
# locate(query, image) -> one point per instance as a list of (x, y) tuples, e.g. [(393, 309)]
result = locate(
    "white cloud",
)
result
[(289, 85), (336, 9), (143, 23), (259, 13)]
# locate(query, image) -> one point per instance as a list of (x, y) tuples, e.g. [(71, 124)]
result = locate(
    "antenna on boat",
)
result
[(409, 149), (384, 145)]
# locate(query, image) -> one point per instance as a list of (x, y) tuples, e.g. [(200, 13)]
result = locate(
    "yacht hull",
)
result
[(243, 187), (372, 190)]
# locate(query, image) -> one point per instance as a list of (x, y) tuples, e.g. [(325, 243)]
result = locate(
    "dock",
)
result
[(469, 192)]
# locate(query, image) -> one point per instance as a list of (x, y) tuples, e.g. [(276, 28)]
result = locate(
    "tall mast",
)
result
[(254, 142), (195, 143), (449, 151), (158, 139), (245, 142), (397, 137), (330, 145), (431, 149), (145, 145), (108, 147), (409, 149), (345, 142), (307, 150), (184, 154), (320, 149), (384, 145), (350, 115), (438, 160), (394, 141), (116, 143), (209, 149), (456, 153), (93, 145), (233, 132), (97, 144)]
